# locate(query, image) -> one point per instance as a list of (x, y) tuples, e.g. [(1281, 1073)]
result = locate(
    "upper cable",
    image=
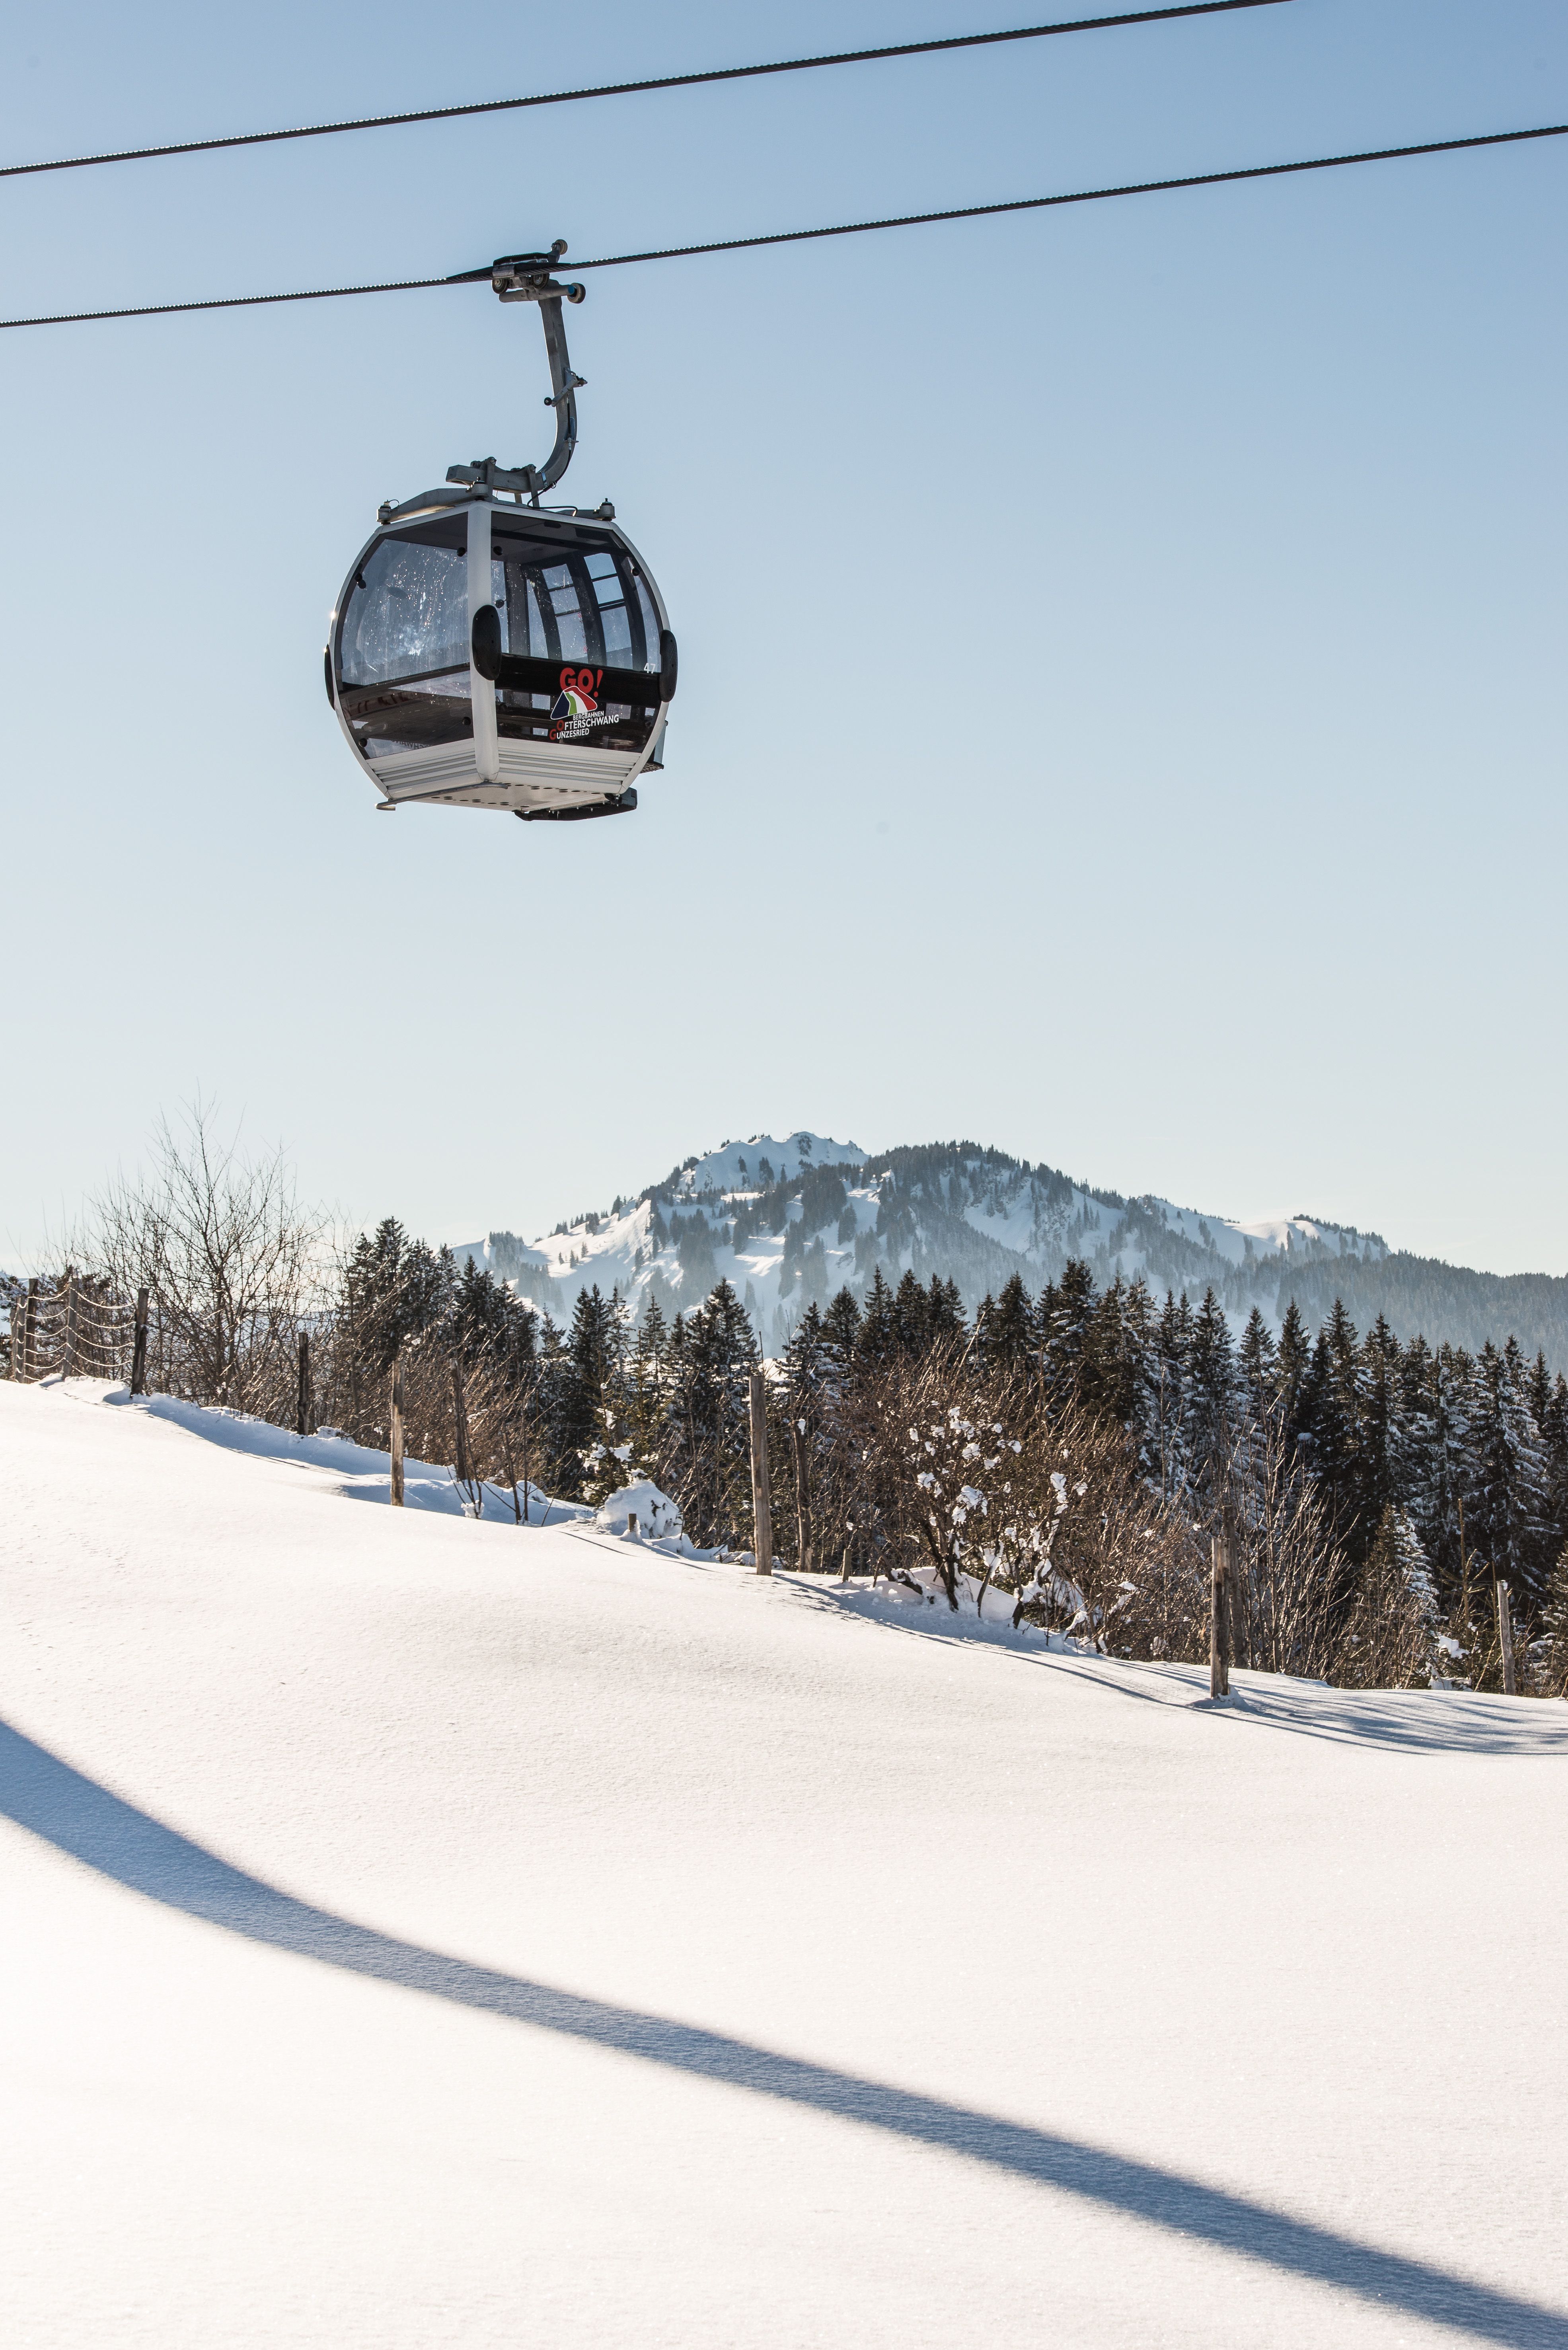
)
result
[(844, 228), (631, 88)]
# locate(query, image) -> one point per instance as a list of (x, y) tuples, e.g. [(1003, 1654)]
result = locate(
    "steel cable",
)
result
[(632, 88), (846, 228)]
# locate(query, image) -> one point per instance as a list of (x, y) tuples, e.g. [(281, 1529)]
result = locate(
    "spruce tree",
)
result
[(910, 1322), (1065, 1309), (1172, 1381), (1554, 1624), (1508, 1503), (1391, 1633), (878, 1337), (1258, 1365), (1294, 1364), (1011, 1335), (588, 1382), (842, 1323), (1329, 1434), (708, 1423), (944, 1309)]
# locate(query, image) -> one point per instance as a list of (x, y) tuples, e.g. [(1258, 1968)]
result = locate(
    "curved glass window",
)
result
[(402, 641), (571, 596)]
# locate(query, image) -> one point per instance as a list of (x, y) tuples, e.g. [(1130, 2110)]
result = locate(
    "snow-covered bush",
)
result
[(657, 1515)]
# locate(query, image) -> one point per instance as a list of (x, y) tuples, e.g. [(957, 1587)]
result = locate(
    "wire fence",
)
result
[(78, 1330)]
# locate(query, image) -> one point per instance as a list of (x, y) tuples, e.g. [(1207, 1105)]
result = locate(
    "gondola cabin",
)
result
[(488, 654)]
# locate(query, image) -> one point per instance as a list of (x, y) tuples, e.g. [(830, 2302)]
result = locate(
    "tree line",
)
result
[(1066, 1455), (1377, 1490)]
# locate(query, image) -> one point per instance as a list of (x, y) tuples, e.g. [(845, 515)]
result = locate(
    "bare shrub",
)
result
[(229, 1253), (1293, 1575)]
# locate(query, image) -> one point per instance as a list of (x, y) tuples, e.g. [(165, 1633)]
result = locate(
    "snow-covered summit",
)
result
[(761, 1160), (793, 1217)]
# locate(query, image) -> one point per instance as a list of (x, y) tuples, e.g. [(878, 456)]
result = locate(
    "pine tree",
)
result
[(1554, 1624), (1554, 1438), (1258, 1365), (1329, 1433), (708, 1423), (842, 1322), (1295, 1368), (1377, 1444), (1140, 1343), (1391, 1634), (1212, 1391), (1108, 1380), (1010, 1335), (1172, 1384), (589, 1381), (878, 1337), (1509, 1504), (1065, 1308), (944, 1310), (647, 1383), (912, 1317)]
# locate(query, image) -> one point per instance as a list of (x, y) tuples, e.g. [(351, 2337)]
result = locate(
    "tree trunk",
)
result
[(397, 1432), (139, 1352), (459, 1416), (1218, 1618), (1505, 1639)]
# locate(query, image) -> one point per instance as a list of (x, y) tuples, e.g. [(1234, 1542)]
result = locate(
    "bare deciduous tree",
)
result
[(227, 1250)]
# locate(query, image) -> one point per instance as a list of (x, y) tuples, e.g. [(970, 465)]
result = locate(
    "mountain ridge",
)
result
[(792, 1219)]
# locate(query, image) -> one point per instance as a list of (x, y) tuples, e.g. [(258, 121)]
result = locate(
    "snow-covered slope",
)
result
[(424, 1933)]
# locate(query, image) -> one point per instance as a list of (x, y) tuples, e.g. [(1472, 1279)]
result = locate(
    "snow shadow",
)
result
[(1418, 1722), (46, 1796)]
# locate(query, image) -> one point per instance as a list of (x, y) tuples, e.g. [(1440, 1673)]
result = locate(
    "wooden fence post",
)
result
[(30, 1328), (1505, 1638), (69, 1348), (761, 1496), (801, 1495), (462, 1468), (1238, 1618), (138, 1351), (302, 1393), (18, 1325), (1218, 1618), (397, 1432)]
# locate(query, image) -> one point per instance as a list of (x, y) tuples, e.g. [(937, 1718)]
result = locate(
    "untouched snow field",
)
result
[(418, 1933)]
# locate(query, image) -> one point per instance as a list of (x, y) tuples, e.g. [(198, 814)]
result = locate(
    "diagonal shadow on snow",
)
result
[(46, 1796)]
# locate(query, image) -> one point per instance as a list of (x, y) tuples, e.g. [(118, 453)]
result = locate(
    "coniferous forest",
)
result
[(1072, 1452), (1379, 1487)]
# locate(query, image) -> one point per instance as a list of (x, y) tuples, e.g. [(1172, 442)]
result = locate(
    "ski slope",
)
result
[(422, 1932)]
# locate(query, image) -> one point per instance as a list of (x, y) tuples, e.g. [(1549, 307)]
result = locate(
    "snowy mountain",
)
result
[(791, 1219)]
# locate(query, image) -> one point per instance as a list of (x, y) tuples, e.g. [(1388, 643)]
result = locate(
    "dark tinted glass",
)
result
[(577, 599)]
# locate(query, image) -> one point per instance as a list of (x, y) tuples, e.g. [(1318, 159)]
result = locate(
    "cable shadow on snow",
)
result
[(59, 1805)]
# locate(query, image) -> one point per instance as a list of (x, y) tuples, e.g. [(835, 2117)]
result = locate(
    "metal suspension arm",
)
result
[(525, 278)]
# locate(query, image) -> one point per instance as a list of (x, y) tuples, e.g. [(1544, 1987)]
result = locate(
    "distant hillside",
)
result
[(793, 1217)]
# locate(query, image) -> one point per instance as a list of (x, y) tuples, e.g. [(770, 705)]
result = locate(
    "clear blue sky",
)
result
[(1121, 707)]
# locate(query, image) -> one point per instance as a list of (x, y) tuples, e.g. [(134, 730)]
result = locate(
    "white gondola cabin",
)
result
[(490, 652)]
